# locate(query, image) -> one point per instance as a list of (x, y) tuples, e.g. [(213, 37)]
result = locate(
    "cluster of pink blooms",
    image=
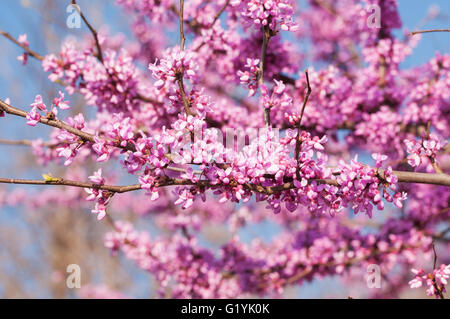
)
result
[(176, 64), (361, 186), (302, 167), (277, 14), (427, 148), (110, 85), (156, 10), (34, 116), (100, 197), (250, 76), (435, 281)]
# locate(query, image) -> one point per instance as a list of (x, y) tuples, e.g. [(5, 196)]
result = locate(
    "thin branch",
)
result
[(409, 177), (51, 122), (220, 13), (24, 47), (434, 164), (61, 125), (299, 141), (18, 142), (63, 182), (420, 178), (179, 75), (138, 96), (186, 103), (267, 34), (182, 37), (93, 31), (429, 31), (435, 256), (266, 37), (436, 287), (308, 93), (29, 143)]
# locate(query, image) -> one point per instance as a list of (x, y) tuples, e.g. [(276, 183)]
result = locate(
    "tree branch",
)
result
[(219, 13), (266, 38), (407, 177), (179, 75), (93, 31), (429, 31), (63, 182), (27, 49), (61, 125), (182, 37), (28, 143), (299, 141)]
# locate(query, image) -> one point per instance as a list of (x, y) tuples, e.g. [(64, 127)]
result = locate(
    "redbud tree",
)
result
[(210, 117)]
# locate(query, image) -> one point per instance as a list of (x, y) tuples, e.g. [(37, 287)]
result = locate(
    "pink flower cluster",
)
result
[(435, 281), (360, 186), (176, 64), (34, 116), (250, 76), (277, 14), (100, 197), (156, 10), (109, 85), (427, 148)]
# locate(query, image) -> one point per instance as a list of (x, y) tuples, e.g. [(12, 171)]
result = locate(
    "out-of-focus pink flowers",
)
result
[(59, 102), (22, 39), (277, 14)]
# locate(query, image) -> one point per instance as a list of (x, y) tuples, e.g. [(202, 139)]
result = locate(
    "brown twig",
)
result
[(429, 31), (18, 142), (409, 177), (186, 104), (27, 49), (266, 37), (436, 287), (93, 31), (61, 125), (299, 141), (219, 13), (305, 101), (435, 256), (179, 75), (29, 143), (267, 34), (63, 182), (182, 37)]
